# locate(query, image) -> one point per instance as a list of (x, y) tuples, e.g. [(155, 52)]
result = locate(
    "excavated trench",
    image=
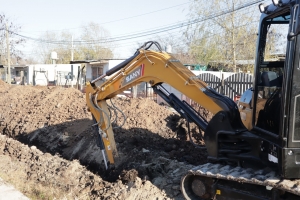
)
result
[(152, 144)]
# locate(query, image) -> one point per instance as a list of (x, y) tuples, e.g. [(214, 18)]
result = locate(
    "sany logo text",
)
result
[(138, 72)]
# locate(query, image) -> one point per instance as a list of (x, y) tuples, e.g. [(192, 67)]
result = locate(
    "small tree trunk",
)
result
[(233, 39)]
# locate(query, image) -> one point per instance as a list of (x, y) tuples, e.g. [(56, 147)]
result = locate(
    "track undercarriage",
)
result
[(216, 181)]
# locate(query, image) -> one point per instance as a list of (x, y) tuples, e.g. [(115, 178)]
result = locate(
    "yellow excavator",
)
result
[(253, 146)]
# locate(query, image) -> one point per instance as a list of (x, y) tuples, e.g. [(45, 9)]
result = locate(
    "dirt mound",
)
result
[(56, 120), (43, 176), (2, 83), (3, 86)]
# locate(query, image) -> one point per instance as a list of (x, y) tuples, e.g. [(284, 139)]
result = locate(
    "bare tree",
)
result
[(90, 45), (60, 42), (28, 61), (223, 37), (95, 43), (178, 47), (14, 41)]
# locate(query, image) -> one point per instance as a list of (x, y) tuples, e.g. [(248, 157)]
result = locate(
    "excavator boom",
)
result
[(156, 68)]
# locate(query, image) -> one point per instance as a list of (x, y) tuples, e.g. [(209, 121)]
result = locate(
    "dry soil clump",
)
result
[(152, 144)]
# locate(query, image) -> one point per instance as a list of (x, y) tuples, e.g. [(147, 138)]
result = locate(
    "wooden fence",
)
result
[(232, 86)]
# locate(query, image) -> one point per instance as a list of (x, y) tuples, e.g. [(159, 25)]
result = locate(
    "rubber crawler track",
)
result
[(264, 177)]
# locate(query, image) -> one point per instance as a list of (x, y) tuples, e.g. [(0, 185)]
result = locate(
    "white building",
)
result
[(47, 74), (94, 69), (53, 74)]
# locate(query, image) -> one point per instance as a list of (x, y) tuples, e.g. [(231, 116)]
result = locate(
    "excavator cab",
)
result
[(269, 71), (276, 88), (261, 108), (271, 112)]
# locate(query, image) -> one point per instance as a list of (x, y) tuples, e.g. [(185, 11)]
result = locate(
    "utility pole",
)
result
[(8, 57), (72, 50)]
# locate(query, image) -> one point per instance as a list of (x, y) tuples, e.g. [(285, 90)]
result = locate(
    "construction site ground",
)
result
[(48, 147)]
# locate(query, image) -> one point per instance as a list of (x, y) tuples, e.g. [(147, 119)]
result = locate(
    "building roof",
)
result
[(94, 61), (14, 66), (82, 61), (99, 62)]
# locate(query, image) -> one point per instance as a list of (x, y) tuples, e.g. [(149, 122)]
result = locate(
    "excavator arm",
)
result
[(157, 67)]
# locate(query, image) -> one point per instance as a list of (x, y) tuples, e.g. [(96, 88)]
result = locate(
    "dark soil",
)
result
[(57, 122)]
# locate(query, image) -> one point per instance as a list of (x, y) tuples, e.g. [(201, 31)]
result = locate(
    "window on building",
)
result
[(96, 72)]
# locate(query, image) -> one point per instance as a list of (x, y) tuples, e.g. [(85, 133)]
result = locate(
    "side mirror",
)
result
[(291, 36)]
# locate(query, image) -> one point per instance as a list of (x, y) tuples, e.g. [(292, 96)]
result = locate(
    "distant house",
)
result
[(43, 74), (95, 68), (53, 74), (15, 72)]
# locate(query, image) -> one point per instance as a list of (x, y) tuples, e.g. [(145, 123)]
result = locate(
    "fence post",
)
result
[(222, 84), (134, 91)]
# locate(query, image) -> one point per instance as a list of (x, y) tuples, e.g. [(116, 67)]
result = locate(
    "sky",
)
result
[(119, 17)]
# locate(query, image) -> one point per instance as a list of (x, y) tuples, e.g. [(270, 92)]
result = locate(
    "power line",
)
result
[(147, 33), (210, 34), (180, 25), (117, 20), (184, 24)]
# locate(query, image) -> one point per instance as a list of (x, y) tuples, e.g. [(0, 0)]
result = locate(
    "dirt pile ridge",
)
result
[(152, 144), (3, 86), (50, 177)]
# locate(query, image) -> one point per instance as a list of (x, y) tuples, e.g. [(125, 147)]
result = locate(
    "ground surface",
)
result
[(10, 192), (49, 150)]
